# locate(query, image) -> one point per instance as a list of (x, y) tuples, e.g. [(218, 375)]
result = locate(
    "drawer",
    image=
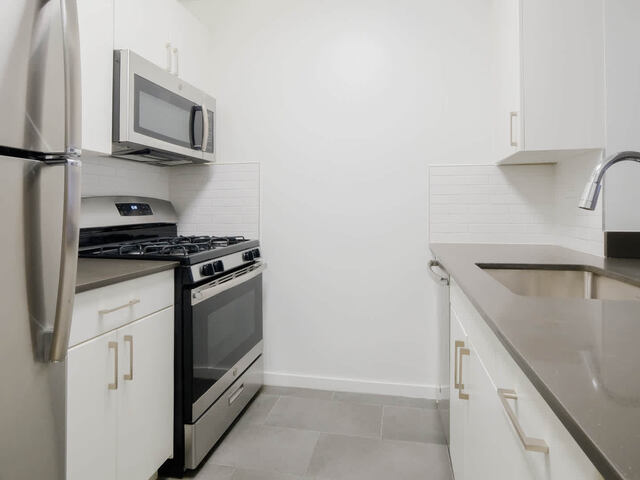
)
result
[(484, 340), (107, 308), (207, 430)]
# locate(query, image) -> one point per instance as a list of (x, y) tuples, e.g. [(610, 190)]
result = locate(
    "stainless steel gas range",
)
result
[(218, 320)]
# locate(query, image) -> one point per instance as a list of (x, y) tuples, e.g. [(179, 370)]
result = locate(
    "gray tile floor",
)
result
[(295, 434)]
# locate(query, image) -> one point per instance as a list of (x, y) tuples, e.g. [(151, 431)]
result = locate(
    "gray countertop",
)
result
[(583, 356), (99, 272)]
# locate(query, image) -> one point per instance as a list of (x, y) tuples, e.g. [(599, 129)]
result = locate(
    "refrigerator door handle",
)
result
[(72, 182), (72, 77), (68, 261)]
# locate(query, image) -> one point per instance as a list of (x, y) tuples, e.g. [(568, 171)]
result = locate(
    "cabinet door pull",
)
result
[(169, 57), (461, 394), (129, 338), (176, 56), (114, 346), (456, 383), (130, 303), (512, 116), (529, 443)]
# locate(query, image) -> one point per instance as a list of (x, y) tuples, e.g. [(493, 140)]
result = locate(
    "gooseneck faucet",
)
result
[(589, 198)]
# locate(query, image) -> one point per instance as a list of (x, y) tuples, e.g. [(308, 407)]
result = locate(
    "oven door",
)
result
[(226, 335)]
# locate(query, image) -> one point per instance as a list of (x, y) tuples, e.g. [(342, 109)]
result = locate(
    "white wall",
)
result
[(621, 191), (345, 103)]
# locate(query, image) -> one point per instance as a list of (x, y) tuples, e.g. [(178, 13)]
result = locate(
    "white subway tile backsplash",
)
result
[(221, 199), (112, 176), (514, 204), (496, 207)]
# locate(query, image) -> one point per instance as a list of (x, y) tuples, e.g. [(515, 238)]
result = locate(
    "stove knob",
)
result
[(256, 253), (247, 256), (218, 266), (208, 269)]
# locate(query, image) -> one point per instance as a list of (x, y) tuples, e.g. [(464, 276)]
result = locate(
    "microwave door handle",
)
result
[(192, 133), (205, 127)]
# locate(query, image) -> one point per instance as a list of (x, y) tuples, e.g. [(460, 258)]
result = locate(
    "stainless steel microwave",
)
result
[(157, 117)]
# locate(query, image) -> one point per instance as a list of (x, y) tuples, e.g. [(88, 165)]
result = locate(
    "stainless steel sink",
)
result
[(535, 281)]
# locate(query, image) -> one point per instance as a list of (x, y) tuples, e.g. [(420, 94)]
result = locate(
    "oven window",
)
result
[(225, 328), (161, 114)]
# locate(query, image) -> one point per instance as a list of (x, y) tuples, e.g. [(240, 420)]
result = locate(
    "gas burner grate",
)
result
[(181, 246)]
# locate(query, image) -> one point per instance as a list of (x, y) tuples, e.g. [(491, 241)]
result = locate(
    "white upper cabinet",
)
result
[(95, 20), (165, 33), (549, 67), (189, 40), (162, 31), (143, 26)]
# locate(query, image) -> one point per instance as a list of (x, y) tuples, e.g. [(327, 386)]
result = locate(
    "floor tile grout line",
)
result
[(264, 422), (353, 435), (313, 451)]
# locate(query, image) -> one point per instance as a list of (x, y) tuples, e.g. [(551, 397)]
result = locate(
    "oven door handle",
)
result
[(203, 294)]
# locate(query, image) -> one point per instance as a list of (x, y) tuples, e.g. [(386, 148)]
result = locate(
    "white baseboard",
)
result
[(352, 385)]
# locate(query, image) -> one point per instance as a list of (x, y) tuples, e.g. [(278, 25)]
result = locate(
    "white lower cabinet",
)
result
[(145, 400), (92, 410), (485, 442), (458, 406), (120, 401)]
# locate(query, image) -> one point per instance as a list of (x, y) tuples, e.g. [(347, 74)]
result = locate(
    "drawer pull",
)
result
[(114, 346), (461, 394), (529, 443), (129, 338), (236, 394), (130, 303)]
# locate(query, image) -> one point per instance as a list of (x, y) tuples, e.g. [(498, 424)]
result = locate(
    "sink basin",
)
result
[(578, 282)]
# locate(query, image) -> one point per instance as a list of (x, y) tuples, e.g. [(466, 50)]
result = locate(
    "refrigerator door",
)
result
[(40, 78), (32, 394)]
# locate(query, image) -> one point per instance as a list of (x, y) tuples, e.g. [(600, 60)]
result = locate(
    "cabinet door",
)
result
[(145, 400), (493, 449), (92, 399), (190, 38), (565, 460), (507, 137), (95, 20), (143, 26), (458, 405)]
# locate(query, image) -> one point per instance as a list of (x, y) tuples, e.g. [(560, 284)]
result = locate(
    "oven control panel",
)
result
[(134, 209), (224, 263), (212, 268)]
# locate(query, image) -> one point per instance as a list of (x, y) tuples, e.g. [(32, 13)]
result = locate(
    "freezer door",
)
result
[(40, 77), (32, 393)]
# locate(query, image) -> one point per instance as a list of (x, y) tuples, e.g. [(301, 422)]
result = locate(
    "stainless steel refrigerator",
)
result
[(39, 204)]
